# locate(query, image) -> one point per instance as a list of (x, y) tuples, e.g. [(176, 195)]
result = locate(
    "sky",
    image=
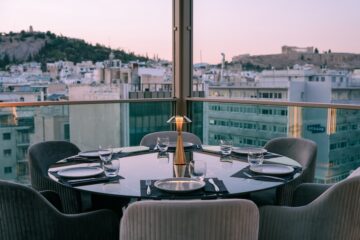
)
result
[(232, 27)]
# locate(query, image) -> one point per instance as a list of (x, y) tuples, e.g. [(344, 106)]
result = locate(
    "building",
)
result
[(16, 126), (291, 49), (335, 131)]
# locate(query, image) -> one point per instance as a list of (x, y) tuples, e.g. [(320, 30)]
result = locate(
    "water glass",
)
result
[(226, 147), (197, 169), (255, 157), (105, 154), (163, 143), (111, 168)]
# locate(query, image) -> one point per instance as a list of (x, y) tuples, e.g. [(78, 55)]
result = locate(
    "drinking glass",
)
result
[(197, 169), (111, 168), (163, 143), (226, 146), (255, 157), (105, 154)]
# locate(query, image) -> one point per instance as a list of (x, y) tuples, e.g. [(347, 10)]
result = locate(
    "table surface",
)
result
[(147, 165)]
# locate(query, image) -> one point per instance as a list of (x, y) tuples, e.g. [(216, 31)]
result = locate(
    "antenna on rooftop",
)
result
[(222, 67)]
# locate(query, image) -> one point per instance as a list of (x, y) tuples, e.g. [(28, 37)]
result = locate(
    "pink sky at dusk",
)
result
[(230, 26)]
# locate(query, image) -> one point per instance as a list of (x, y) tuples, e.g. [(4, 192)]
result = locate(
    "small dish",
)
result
[(80, 172), (89, 154), (272, 169), (247, 150), (179, 185)]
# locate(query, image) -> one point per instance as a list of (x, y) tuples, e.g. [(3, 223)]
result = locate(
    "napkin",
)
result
[(89, 181), (74, 182), (211, 149), (287, 177), (282, 160), (131, 149)]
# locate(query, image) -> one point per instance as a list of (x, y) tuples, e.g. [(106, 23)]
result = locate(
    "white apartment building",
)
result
[(335, 131)]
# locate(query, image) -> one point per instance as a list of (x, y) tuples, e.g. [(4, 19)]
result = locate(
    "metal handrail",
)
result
[(52, 103), (192, 99), (277, 103)]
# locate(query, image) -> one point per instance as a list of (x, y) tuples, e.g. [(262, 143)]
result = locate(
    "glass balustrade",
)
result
[(86, 125), (335, 130)]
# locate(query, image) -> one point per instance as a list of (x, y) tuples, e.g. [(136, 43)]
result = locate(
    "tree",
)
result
[(6, 59), (30, 58), (329, 51), (302, 57), (316, 51)]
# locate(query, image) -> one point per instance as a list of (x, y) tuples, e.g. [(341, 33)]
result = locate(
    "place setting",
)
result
[(258, 170), (163, 144), (193, 186), (79, 175)]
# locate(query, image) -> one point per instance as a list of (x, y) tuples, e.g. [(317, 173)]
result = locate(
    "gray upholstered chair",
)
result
[(191, 220), (332, 215), (149, 140), (41, 156), (301, 150), (26, 214), (307, 192)]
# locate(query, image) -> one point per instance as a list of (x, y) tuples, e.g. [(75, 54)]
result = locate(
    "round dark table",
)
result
[(147, 165)]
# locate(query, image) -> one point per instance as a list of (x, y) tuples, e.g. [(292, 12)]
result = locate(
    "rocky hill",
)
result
[(48, 47), (282, 61)]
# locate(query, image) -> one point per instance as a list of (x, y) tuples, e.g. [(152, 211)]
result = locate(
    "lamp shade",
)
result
[(177, 119)]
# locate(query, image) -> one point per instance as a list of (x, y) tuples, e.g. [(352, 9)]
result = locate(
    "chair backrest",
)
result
[(333, 215), (301, 150), (192, 220), (149, 140), (43, 154), (338, 209), (26, 214)]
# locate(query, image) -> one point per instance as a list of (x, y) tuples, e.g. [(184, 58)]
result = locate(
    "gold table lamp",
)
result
[(179, 157)]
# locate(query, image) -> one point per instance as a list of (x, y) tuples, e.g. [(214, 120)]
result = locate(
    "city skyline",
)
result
[(144, 27)]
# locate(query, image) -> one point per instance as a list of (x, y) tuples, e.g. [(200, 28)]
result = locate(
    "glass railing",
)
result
[(335, 129), (88, 125)]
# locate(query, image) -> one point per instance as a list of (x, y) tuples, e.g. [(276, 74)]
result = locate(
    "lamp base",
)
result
[(179, 158), (179, 170)]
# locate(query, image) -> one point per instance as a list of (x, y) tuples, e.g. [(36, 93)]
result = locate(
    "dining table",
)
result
[(142, 166)]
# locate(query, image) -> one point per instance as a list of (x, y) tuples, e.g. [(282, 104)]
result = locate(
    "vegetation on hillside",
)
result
[(62, 48)]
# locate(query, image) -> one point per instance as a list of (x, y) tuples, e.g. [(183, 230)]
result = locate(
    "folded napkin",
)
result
[(211, 149), (78, 159), (286, 178), (131, 149), (282, 160), (74, 182), (204, 193)]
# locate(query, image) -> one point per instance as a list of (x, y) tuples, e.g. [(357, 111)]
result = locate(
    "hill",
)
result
[(49, 47), (283, 61)]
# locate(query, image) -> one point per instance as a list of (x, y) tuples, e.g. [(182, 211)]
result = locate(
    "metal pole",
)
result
[(182, 53)]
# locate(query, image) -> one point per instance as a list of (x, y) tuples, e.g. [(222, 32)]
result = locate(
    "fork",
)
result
[(263, 176), (148, 184)]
